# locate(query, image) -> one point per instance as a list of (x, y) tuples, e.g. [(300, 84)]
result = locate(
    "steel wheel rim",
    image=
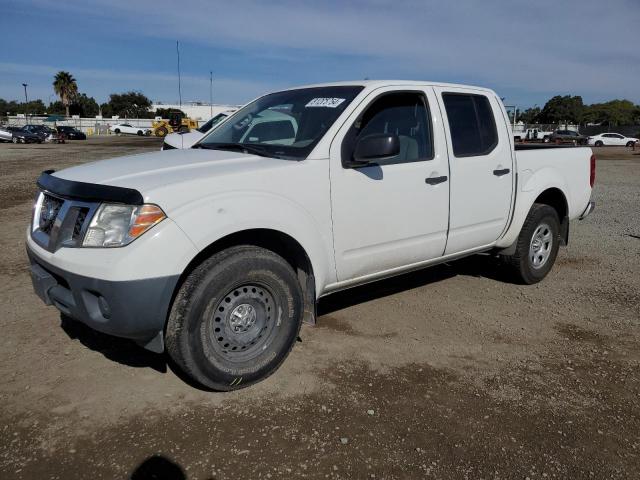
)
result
[(540, 246), (242, 324)]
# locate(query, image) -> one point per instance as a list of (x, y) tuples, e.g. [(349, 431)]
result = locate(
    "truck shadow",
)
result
[(481, 266), (127, 352), (116, 349)]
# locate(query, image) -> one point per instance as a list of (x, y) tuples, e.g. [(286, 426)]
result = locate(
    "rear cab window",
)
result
[(471, 123)]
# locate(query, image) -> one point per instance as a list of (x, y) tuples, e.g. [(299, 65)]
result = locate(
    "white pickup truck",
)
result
[(218, 253)]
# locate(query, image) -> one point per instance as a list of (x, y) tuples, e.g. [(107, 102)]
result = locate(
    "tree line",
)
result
[(559, 109), (71, 101), (571, 109)]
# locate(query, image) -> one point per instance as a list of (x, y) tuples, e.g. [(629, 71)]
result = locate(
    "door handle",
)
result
[(501, 171), (435, 180)]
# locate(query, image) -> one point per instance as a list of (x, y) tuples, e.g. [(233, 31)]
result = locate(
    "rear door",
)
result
[(395, 212), (481, 166)]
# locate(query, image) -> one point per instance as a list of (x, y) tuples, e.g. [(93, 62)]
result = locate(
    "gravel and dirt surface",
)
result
[(451, 372)]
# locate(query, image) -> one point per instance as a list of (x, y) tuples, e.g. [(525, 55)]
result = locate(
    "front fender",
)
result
[(217, 216)]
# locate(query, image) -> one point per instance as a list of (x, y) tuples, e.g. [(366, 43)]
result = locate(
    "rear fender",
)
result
[(532, 185)]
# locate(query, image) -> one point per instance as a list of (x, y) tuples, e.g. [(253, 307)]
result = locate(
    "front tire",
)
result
[(630, 144), (598, 143), (140, 133), (537, 245), (117, 131), (235, 318)]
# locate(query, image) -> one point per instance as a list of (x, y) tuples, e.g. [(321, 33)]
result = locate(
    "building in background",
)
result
[(196, 110)]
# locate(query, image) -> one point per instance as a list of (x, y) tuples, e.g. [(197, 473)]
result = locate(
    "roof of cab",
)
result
[(372, 84)]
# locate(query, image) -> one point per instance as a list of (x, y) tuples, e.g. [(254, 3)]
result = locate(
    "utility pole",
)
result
[(211, 94), (179, 86), (26, 102)]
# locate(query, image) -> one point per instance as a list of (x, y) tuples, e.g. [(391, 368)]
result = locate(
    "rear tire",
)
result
[(537, 245), (235, 318)]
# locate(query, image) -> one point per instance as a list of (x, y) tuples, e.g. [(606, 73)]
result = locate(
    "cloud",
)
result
[(579, 46)]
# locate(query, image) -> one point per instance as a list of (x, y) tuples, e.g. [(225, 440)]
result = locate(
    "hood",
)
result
[(183, 140), (150, 171)]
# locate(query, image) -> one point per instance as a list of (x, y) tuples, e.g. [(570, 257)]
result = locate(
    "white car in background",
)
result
[(188, 139), (129, 129), (611, 139), (5, 135)]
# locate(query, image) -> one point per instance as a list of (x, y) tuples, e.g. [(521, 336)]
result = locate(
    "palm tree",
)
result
[(66, 88)]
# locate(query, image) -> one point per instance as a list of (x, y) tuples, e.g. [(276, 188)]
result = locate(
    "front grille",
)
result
[(49, 212), (77, 227), (61, 222)]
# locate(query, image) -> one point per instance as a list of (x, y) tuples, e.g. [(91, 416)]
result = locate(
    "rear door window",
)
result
[(471, 123)]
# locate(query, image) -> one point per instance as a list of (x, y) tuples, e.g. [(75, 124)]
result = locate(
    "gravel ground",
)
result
[(451, 372)]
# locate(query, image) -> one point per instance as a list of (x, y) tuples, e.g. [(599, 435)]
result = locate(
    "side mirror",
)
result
[(377, 146)]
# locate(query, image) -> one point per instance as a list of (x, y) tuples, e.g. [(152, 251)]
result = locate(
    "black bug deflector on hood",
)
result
[(90, 192)]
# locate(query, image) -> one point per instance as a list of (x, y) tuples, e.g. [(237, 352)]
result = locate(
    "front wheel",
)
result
[(630, 144), (140, 133), (537, 245), (599, 143), (235, 318)]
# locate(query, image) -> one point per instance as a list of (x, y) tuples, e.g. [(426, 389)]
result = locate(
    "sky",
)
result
[(526, 50)]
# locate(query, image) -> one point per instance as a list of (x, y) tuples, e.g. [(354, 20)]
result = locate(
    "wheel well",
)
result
[(281, 244), (556, 200)]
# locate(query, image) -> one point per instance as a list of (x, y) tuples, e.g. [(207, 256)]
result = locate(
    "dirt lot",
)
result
[(447, 373)]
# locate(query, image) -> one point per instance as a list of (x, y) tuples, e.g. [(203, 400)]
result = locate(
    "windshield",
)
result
[(284, 124)]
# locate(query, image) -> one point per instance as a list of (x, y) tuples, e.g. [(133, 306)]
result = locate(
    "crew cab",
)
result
[(216, 254)]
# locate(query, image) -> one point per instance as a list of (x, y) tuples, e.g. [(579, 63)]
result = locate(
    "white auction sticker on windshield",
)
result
[(325, 102)]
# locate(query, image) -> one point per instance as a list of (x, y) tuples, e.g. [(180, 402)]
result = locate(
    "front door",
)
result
[(394, 212)]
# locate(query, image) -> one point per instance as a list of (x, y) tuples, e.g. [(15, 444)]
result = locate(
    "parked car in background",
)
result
[(568, 136), (129, 129), (188, 139), (41, 131), (611, 139), (5, 135), (20, 135), (71, 133)]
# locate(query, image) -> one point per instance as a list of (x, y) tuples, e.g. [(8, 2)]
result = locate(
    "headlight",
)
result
[(115, 225)]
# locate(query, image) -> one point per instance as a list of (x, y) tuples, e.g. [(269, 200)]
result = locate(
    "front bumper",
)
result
[(587, 211), (134, 309)]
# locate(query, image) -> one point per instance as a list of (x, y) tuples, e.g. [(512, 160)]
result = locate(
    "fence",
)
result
[(90, 126)]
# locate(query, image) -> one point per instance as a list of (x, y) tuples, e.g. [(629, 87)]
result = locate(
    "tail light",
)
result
[(592, 175)]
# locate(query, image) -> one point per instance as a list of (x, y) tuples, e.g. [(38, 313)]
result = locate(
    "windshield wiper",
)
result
[(237, 147)]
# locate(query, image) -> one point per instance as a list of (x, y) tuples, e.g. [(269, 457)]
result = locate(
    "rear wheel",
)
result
[(161, 132), (14, 139), (537, 245), (235, 318)]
